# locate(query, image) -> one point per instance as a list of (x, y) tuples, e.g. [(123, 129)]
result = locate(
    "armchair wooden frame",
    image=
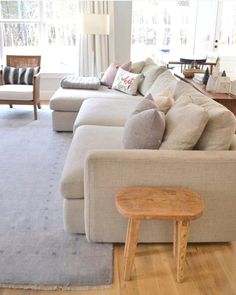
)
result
[(25, 61)]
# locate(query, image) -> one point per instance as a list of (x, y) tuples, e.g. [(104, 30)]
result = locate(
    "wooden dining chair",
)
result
[(20, 81), (189, 63)]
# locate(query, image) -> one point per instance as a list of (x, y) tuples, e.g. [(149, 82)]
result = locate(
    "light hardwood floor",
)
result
[(210, 270)]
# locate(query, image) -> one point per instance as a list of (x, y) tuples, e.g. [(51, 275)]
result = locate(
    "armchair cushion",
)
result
[(16, 92), (23, 76)]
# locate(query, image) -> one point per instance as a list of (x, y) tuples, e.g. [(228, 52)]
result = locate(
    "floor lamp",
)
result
[(96, 24)]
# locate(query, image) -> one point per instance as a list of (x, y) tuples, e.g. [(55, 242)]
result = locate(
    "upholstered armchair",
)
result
[(20, 81)]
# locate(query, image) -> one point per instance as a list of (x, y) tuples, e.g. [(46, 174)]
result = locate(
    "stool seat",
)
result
[(139, 203), (161, 204)]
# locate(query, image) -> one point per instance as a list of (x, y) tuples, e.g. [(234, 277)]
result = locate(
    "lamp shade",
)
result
[(97, 24)]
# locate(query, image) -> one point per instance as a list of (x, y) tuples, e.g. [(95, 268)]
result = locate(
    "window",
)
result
[(168, 30), (46, 27)]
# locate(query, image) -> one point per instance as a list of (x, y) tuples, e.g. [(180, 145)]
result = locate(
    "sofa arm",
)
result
[(210, 173)]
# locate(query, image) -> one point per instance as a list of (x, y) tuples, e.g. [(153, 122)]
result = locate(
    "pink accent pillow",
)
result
[(110, 73)]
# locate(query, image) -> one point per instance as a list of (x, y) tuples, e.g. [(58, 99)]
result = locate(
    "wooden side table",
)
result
[(155, 203)]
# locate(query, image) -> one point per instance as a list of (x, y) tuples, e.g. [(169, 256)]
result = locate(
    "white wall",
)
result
[(49, 83), (122, 43)]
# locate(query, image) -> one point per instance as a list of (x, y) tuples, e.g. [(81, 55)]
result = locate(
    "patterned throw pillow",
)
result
[(22, 76), (126, 82)]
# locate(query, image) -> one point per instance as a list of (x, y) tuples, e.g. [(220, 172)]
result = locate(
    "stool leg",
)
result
[(183, 230), (175, 240), (130, 246)]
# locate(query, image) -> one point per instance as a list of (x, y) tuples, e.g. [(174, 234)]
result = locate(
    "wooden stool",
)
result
[(155, 203)]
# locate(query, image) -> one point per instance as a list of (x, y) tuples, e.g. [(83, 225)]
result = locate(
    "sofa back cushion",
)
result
[(185, 122), (183, 88), (137, 67), (164, 81), (221, 125), (150, 72)]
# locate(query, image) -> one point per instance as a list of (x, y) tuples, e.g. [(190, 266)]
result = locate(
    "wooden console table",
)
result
[(182, 64), (227, 100)]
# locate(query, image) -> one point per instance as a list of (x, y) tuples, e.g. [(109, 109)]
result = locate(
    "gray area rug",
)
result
[(35, 252)]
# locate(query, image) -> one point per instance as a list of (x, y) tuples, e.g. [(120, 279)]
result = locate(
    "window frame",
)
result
[(44, 47)]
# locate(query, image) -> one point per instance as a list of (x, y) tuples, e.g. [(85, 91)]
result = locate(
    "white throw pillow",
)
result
[(185, 123), (164, 101), (126, 82)]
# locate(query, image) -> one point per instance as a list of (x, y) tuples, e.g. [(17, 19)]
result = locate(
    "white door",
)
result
[(225, 36)]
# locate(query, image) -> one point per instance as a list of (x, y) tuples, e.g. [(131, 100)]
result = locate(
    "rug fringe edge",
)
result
[(54, 287)]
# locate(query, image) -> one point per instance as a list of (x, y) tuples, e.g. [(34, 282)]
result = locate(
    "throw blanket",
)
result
[(76, 82)]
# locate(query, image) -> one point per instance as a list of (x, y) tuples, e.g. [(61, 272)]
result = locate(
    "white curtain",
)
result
[(94, 49)]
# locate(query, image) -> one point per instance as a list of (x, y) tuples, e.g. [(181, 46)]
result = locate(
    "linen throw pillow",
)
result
[(185, 123), (126, 82), (110, 73), (22, 76), (145, 127)]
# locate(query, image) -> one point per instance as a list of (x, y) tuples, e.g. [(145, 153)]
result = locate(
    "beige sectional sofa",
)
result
[(98, 167)]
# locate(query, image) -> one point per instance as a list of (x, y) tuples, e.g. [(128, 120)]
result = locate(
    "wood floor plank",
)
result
[(210, 269)]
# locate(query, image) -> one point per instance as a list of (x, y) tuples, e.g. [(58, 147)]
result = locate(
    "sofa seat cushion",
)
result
[(16, 92), (86, 138), (105, 112), (70, 100)]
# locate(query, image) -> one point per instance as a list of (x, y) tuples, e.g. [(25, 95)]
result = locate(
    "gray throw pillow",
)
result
[(145, 104), (144, 129)]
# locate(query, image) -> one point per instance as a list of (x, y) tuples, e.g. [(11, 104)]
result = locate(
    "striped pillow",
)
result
[(19, 75)]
